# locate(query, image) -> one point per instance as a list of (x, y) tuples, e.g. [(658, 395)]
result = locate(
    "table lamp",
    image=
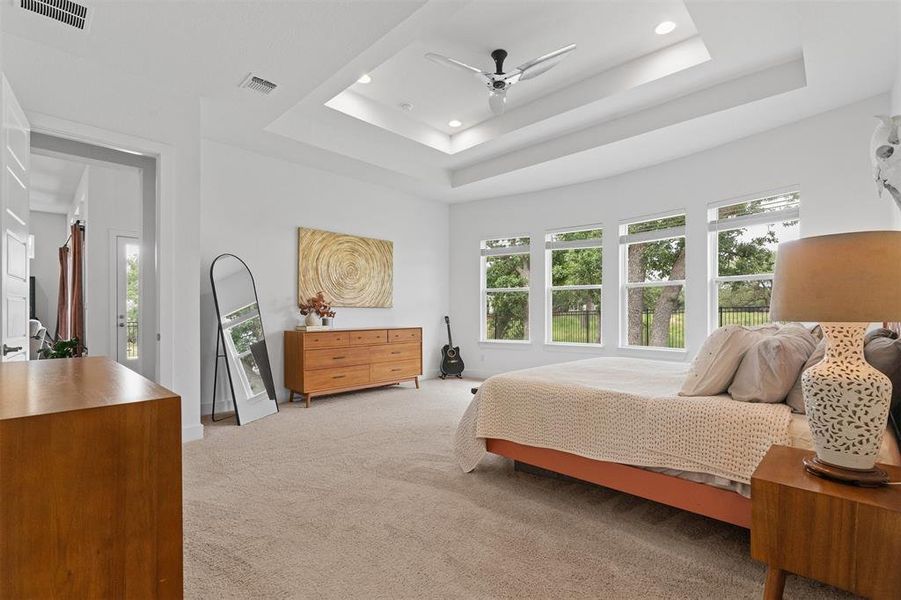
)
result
[(845, 282)]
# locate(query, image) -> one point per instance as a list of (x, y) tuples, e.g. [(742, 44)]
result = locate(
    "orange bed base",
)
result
[(716, 503)]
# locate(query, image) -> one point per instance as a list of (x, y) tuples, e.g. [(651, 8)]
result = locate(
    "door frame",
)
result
[(165, 225), (10, 215), (114, 235)]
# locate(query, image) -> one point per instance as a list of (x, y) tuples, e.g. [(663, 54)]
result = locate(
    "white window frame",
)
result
[(715, 225), (549, 247), (484, 290), (625, 239), (227, 327)]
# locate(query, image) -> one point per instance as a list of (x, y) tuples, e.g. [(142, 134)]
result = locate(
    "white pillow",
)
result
[(717, 361)]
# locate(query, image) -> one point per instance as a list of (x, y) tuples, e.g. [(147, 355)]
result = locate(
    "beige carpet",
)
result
[(359, 497)]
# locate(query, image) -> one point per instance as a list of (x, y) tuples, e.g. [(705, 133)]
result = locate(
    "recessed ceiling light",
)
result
[(664, 28), (454, 123), (365, 78), (406, 106)]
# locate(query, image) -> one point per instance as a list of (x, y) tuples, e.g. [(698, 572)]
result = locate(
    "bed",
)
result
[(619, 422)]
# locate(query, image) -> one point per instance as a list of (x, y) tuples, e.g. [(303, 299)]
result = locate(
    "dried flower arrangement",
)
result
[(318, 305)]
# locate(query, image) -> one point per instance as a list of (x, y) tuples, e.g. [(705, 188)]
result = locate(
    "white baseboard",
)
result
[(482, 375), (189, 433)]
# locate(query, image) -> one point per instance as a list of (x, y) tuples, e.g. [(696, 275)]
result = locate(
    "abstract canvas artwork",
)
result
[(350, 270)]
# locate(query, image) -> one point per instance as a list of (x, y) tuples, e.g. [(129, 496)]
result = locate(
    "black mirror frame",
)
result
[(220, 339)]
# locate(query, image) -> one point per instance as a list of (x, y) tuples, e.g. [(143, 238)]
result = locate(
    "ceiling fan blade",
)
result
[(537, 66), (497, 101), (450, 62)]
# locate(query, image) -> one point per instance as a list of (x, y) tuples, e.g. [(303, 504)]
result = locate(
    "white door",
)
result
[(128, 301), (15, 138)]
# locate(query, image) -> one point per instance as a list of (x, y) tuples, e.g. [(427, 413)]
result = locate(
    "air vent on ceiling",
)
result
[(258, 84), (64, 11)]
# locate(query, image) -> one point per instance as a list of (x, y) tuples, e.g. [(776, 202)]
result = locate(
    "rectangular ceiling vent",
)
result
[(258, 84), (65, 11)]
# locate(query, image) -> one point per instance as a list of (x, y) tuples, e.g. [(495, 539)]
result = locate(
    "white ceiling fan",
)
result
[(499, 82)]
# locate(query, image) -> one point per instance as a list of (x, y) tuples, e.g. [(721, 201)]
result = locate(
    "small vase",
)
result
[(327, 321), (311, 320)]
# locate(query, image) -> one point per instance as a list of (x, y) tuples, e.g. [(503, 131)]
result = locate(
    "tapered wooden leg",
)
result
[(309, 399), (775, 584), (416, 381)]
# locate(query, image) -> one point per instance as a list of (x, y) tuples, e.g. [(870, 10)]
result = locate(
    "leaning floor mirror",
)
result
[(241, 341)]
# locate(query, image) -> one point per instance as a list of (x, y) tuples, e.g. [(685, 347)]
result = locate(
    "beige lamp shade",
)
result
[(840, 278)]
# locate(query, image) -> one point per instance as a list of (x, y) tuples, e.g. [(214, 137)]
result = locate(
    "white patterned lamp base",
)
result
[(847, 400)]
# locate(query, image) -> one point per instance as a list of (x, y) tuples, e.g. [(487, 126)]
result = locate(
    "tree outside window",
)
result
[(575, 265), (654, 282), (746, 236), (505, 301)]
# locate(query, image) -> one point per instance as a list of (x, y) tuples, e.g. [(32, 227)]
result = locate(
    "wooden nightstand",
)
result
[(846, 536)]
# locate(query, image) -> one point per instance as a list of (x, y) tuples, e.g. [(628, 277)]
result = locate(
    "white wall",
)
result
[(49, 231), (252, 207), (79, 91), (896, 90), (78, 209), (826, 155), (114, 207)]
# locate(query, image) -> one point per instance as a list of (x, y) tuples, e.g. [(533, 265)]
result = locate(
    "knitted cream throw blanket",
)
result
[(622, 410)]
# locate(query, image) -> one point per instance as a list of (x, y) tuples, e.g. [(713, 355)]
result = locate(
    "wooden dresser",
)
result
[(90, 482), (318, 363)]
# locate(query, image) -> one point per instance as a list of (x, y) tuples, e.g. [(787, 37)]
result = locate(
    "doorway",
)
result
[(117, 212)]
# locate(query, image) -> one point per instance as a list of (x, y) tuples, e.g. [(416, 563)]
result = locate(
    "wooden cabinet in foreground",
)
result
[(318, 363), (843, 535), (90, 482)]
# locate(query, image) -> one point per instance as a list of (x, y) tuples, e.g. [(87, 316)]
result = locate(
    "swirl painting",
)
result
[(349, 270)]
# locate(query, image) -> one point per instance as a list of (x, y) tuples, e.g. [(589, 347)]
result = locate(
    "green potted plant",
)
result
[(60, 349)]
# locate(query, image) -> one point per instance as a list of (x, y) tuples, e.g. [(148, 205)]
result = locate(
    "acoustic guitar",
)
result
[(451, 362)]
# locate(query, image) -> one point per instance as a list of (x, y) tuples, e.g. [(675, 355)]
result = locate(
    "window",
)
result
[(242, 327), (574, 275), (505, 289), (653, 258), (744, 238)]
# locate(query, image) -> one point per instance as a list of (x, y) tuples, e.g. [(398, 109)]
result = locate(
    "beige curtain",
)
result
[(62, 298), (76, 306)]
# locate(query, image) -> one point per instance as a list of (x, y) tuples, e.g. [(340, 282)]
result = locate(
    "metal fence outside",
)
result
[(584, 326), (131, 346), (576, 326)]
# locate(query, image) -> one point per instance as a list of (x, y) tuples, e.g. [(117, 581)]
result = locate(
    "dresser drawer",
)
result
[(326, 339), (405, 335), (395, 370), (325, 379), (367, 338), (328, 358), (394, 352)]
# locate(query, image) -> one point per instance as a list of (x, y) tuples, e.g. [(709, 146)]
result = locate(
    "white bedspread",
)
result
[(623, 410)]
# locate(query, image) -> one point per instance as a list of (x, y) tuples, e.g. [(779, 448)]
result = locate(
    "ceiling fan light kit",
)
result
[(499, 82)]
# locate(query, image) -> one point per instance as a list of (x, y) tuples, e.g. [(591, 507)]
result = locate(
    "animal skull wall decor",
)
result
[(885, 152)]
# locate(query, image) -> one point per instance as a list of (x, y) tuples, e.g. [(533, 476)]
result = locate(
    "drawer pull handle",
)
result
[(338, 376), (394, 370), (338, 357), (395, 352)]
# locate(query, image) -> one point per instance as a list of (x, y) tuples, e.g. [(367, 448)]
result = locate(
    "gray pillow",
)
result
[(884, 354), (795, 397), (770, 367)]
